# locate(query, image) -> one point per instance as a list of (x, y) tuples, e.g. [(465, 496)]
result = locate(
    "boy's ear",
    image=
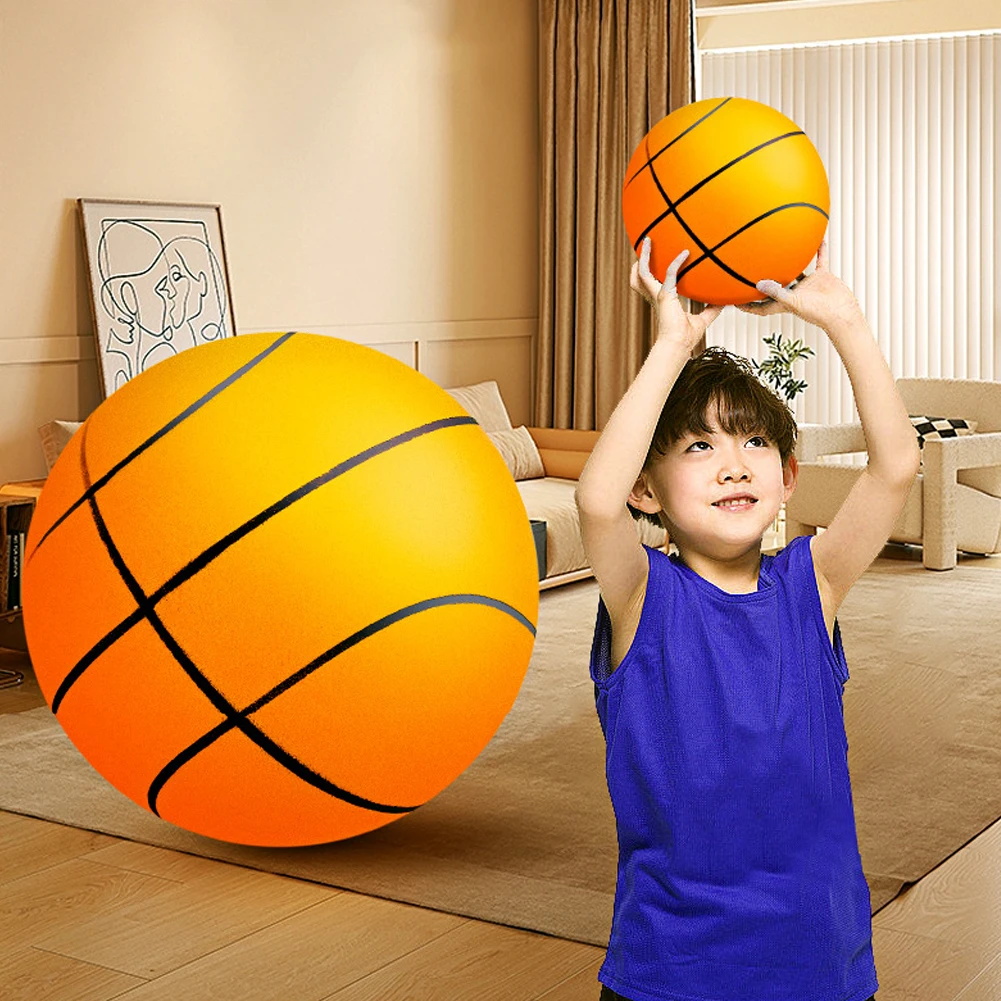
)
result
[(790, 476), (642, 498)]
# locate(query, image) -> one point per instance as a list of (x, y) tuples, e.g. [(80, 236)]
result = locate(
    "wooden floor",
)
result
[(85, 917)]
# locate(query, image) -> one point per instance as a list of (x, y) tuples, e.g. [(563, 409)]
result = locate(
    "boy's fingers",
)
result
[(651, 283), (772, 288), (709, 314), (645, 257), (822, 254), (670, 285)]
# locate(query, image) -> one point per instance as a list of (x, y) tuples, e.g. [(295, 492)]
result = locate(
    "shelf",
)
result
[(15, 515)]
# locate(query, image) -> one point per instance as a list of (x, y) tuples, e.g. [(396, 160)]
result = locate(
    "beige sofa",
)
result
[(955, 500), (546, 463)]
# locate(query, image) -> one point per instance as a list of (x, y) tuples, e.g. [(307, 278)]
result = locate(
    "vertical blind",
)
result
[(907, 131)]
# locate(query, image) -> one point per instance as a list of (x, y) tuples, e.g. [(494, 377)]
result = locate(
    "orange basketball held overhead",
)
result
[(736, 184), (280, 589)]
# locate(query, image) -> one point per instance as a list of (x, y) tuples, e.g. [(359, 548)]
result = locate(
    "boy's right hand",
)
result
[(673, 323)]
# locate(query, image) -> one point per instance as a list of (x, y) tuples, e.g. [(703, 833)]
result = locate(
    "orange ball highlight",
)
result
[(280, 589), (738, 185)]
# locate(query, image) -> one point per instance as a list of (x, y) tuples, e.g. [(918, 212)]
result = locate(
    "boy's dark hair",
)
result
[(745, 406)]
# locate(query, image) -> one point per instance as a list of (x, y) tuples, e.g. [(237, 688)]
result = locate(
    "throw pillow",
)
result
[(484, 404), (519, 451), (940, 427), (55, 437)]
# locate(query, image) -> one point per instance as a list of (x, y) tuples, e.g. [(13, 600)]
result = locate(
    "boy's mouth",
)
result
[(738, 502)]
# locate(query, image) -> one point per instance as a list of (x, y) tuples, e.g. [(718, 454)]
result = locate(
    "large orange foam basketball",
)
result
[(280, 589), (735, 183)]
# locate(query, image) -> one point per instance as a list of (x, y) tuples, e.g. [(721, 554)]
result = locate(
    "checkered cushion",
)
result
[(940, 427)]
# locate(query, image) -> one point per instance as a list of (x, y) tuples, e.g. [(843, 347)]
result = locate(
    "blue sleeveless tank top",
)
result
[(739, 875)]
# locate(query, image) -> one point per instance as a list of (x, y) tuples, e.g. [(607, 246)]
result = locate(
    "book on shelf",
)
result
[(15, 551)]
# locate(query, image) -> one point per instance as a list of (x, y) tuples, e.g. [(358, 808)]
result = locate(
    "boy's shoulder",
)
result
[(796, 548), (794, 556)]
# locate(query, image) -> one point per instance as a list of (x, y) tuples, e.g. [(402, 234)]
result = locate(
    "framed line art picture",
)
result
[(158, 281)]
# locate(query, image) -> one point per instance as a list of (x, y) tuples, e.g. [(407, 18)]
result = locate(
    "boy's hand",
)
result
[(673, 323), (821, 298)]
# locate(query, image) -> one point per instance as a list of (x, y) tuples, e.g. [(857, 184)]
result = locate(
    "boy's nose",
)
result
[(734, 470)]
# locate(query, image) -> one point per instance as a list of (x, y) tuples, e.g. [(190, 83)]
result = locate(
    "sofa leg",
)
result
[(938, 542), (934, 558), (939, 516)]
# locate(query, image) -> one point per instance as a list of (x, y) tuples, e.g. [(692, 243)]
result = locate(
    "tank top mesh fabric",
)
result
[(739, 875)]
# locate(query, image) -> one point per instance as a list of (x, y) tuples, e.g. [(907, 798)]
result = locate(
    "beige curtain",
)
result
[(608, 71)]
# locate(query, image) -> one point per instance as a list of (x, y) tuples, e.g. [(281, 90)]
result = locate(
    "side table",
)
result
[(539, 534)]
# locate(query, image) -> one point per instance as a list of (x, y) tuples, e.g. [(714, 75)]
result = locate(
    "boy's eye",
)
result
[(757, 437)]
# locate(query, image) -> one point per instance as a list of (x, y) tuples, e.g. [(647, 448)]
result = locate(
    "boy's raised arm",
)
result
[(617, 459), (611, 543), (863, 524)]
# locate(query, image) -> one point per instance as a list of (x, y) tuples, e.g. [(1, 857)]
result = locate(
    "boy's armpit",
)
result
[(616, 557), (624, 626)]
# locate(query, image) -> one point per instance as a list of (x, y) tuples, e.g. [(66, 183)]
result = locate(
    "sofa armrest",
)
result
[(815, 440), (968, 451), (564, 451), (942, 459)]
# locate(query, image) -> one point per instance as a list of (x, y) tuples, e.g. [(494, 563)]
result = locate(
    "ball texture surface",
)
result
[(738, 185), (280, 589)]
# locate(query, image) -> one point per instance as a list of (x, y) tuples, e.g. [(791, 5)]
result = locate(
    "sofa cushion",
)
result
[(519, 451), (986, 479), (484, 404), (552, 500)]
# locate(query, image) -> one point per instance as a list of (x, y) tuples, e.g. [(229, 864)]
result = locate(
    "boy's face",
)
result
[(701, 469)]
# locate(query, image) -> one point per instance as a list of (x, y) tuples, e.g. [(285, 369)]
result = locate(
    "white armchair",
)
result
[(955, 500)]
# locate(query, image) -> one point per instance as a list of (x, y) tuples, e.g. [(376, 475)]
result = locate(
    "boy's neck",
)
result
[(737, 576)]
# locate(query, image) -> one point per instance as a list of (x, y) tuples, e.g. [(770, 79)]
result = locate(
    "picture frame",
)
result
[(159, 282)]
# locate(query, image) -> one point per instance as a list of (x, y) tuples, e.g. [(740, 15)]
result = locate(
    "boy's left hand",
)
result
[(821, 298)]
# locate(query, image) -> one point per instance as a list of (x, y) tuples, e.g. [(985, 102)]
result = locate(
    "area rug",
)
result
[(526, 836)]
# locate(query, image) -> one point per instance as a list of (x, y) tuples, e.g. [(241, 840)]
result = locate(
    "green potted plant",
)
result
[(776, 370), (777, 367)]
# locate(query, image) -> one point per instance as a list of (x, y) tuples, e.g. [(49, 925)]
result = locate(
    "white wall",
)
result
[(376, 164)]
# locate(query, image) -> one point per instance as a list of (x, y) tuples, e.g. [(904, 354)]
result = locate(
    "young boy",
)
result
[(719, 671)]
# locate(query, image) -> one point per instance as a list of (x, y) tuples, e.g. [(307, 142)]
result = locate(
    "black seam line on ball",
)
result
[(672, 207), (284, 758), (169, 426), (143, 604), (217, 548), (753, 222), (709, 177), (663, 149)]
